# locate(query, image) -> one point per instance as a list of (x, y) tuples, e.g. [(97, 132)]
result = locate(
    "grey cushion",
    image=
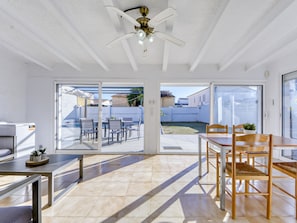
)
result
[(20, 214), (5, 152)]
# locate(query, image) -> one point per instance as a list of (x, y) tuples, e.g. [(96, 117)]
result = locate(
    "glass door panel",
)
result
[(183, 114), (289, 111), (238, 104)]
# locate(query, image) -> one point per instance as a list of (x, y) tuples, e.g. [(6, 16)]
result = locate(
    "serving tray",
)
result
[(37, 163)]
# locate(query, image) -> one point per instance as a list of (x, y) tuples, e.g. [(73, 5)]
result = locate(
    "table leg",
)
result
[(50, 190), (105, 129), (81, 168), (199, 157), (222, 178)]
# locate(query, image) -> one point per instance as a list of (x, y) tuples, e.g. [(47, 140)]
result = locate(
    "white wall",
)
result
[(40, 109), (13, 89)]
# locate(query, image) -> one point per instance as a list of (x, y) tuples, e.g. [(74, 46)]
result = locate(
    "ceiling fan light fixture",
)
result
[(150, 38), (141, 34), (141, 42)]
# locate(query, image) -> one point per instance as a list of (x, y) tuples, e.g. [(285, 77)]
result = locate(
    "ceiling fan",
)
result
[(145, 27)]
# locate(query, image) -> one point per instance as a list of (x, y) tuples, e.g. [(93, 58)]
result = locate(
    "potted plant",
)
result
[(42, 150), (35, 156), (249, 128)]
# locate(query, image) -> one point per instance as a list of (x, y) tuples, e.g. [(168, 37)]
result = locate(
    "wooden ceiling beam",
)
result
[(23, 54), (209, 35), (35, 35), (56, 9), (254, 34)]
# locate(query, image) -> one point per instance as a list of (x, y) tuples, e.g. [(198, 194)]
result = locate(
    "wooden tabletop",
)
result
[(226, 140)]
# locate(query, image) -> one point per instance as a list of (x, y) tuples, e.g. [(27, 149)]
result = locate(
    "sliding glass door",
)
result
[(289, 111), (238, 104), (183, 114), (84, 111)]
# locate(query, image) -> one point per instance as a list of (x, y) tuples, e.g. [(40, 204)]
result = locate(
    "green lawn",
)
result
[(186, 128)]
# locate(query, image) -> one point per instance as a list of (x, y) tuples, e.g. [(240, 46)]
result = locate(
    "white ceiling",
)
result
[(224, 33)]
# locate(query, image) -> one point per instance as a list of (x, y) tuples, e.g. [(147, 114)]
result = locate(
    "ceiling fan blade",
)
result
[(162, 17), (126, 36), (169, 38), (124, 15)]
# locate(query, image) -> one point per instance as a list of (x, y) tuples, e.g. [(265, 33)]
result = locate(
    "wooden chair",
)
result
[(245, 172), (215, 129), (290, 169), (237, 129), (250, 156)]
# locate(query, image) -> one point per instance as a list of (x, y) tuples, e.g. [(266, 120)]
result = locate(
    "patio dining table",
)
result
[(224, 143)]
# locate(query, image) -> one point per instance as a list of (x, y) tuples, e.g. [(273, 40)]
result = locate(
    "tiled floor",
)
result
[(157, 188)]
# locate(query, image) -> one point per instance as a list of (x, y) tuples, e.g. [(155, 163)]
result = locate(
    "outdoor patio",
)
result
[(169, 143)]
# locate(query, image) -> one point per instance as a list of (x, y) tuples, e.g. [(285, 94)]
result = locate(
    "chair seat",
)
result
[(21, 214), (291, 167), (244, 170), (5, 152)]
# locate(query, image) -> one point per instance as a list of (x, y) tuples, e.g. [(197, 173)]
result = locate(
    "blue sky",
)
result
[(182, 91)]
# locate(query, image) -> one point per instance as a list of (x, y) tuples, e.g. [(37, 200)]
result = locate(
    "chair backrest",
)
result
[(87, 124), (216, 128), (127, 119), (237, 128), (114, 124), (252, 143)]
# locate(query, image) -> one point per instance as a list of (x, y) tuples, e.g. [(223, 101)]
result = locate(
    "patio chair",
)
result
[(87, 128), (7, 147), (135, 128), (23, 214), (243, 171), (115, 127)]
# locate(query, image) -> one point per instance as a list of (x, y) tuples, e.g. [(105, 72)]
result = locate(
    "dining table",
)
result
[(223, 143)]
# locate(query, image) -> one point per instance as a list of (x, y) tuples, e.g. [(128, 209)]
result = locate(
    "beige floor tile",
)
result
[(107, 206), (139, 188), (158, 189)]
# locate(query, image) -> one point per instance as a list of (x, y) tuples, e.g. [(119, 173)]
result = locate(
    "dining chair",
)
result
[(244, 171), (87, 128), (251, 155), (215, 129), (114, 127), (237, 128), (288, 168)]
